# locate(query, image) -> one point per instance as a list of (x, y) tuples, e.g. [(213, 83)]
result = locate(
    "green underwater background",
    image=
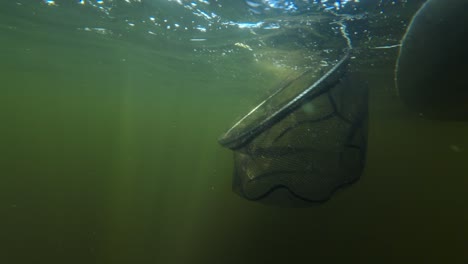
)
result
[(109, 139)]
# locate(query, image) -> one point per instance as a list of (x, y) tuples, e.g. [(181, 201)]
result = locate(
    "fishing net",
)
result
[(303, 142)]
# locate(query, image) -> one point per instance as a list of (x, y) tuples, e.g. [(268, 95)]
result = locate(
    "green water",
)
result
[(110, 155)]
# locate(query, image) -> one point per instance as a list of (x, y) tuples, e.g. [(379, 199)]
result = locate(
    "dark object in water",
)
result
[(303, 142), (433, 61)]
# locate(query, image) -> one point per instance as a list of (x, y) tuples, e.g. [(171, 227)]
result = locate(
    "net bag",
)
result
[(303, 142)]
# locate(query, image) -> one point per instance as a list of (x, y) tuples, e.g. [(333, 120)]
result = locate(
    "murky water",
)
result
[(110, 150)]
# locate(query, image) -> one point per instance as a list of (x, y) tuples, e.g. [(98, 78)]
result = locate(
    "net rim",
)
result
[(233, 139)]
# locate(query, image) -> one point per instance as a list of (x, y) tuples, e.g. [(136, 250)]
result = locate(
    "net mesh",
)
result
[(315, 149)]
